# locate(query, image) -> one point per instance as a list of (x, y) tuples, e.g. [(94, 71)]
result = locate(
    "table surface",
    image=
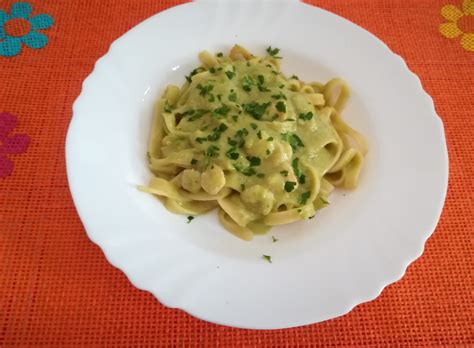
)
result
[(56, 287)]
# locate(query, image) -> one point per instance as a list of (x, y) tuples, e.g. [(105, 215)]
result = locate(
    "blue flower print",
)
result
[(11, 45)]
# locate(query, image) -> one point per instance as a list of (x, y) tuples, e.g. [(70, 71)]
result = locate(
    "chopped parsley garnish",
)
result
[(242, 187), (192, 73), (281, 86), (306, 117), (273, 52), (253, 125), (297, 171), (200, 140), (259, 134), (254, 161), (190, 218), (249, 171), (232, 154), (304, 197), (294, 77), (284, 172), (247, 83), (167, 107), (233, 97), (281, 106), (267, 258), (221, 111), (230, 74), (212, 151), (293, 140), (289, 186), (220, 54), (219, 97), (231, 142), (261, 79), (274, 240), (311, 217), (255, 109), (204, 90), (194, 161), (234, 118), (269, 138), (212, 70), (268, 152), (280, 95), (217, 132), (260, 175)]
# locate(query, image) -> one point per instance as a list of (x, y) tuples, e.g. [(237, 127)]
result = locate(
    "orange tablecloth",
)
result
[(56, 288)]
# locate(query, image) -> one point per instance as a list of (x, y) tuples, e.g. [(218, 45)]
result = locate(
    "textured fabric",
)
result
[(56, 287)]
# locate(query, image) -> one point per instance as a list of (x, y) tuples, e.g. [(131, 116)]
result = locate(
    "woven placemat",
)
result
[(56, 288)]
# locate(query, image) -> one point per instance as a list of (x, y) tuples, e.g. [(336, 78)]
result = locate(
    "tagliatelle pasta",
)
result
[(239, 136)]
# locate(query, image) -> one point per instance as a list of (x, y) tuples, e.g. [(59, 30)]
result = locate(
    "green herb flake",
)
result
[(274, 240), (294, 77), (249, 171), (267, 258), (284, 172), (253, 125), (220, 54), (231, 142), (273, 52), (194, 161), (242, 187), (306, 117), (200, 140), (268, 152), (297, 171), (278, 96), (304, 197), (281, 106), (254, 161), (212, 151), (232, 154), (204, 90), (234, 118), (192, 73), (221, 111), (260, 175), (212, 70), (190, 218), (289, 186), (255, 109), (233, 97), (270, 139), (230, 74), (293, 139), (259, 134), (261, 79), (247, 83), (167, 107)]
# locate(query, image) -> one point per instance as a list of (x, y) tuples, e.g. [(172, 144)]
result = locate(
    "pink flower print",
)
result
[(10, 144)]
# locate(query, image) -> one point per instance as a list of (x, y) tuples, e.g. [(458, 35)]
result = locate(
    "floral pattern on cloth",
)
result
[(20, 27), (10, 144), (460, 23)]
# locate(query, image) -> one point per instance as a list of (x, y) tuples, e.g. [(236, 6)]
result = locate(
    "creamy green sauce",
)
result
[(247, 118)]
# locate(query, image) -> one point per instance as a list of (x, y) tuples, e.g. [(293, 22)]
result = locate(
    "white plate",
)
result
[(322, 267)]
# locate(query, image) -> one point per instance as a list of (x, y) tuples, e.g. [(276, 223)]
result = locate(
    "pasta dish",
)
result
[(263, 148)]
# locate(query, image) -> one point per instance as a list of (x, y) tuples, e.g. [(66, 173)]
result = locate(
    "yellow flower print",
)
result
[(456, 26)]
